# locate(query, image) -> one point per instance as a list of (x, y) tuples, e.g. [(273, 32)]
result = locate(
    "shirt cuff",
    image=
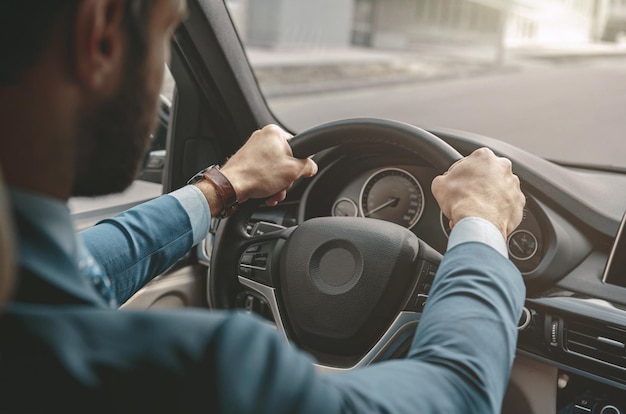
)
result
[(476, 229), (197, 208)]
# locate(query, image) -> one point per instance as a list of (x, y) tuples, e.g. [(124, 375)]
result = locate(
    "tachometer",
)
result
[(394, 195)]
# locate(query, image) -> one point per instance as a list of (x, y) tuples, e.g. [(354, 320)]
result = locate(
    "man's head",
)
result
[(90, 71)]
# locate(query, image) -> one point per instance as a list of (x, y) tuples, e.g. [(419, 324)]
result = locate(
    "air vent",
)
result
[(599, 342)]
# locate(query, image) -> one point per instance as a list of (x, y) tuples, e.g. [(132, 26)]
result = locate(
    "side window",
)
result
[(154, 162)]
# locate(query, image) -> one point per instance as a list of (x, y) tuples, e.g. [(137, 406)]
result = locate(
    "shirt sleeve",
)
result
[(195, 204), (476, 229), (139, 244), (463, 349)]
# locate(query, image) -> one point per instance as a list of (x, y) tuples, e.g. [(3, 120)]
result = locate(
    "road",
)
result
[(573, 112)]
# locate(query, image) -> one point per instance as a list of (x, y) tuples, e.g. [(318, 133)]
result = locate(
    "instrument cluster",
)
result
[(401, 194)]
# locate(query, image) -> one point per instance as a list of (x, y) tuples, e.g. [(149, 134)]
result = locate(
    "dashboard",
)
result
[(397, 193), (573, 322), (381, 188)]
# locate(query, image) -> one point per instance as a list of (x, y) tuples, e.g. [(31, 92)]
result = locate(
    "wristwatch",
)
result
[(223, 188)]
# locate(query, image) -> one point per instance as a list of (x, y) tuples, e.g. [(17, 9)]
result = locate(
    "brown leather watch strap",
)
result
[(224, 189)]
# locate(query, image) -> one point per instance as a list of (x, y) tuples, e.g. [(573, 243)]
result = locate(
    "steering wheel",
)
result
[(348, 290)]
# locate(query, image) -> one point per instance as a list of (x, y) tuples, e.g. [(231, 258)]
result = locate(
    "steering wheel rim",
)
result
[(232, 240), (376, 131)]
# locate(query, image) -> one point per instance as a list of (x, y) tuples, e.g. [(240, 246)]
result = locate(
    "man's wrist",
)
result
[(476, 229), (218, 190), (195, 203)]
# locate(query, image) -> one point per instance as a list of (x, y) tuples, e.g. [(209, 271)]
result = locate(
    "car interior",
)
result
[(570, 247)]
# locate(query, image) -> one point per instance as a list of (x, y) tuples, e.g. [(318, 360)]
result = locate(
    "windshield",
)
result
[(547, 76)]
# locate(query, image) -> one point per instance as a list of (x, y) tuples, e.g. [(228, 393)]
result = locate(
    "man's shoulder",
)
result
[(86, 359)]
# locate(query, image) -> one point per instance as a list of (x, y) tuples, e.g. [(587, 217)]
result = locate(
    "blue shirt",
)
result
[(62, 344)]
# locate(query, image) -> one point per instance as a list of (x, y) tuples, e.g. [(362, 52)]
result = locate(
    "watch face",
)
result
[(195, 179), (199, 175)]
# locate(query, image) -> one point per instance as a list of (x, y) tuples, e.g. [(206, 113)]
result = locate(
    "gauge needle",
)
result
[(391, 202), (517, 245)]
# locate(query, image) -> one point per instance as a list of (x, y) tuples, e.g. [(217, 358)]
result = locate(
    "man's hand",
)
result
[(481, 185), (265, 167)]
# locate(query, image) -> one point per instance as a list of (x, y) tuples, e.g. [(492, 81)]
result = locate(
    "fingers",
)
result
[(287, 135), (276, 198), (309, 169), (275, 130), (457, 162), (436, 186), (265, 165), (483, 152)]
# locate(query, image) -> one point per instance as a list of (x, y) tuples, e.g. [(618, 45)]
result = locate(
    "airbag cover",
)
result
[(343, 281)]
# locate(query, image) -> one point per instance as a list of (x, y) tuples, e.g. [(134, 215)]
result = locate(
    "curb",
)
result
[(277, 89)]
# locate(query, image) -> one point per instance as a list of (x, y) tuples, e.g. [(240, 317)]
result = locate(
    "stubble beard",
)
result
[(113, 138)]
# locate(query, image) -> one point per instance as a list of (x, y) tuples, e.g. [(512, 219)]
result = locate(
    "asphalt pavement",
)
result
[(298, 71), (573, 112)]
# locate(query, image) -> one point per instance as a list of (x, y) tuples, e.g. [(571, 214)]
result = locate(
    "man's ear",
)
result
[(98, 42)]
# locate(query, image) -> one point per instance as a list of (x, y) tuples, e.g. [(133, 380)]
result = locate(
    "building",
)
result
[(293, 23), (611, 21), (402, 23), (405, 24)]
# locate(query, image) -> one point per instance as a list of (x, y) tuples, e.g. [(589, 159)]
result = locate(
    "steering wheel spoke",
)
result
[(269, 294), (260, 252), (427, 269), (390, 345)]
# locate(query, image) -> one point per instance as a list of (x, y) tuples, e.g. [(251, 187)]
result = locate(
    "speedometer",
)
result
[(394, 195)]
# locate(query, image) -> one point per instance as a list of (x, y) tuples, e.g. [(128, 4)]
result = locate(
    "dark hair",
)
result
[(25, 29), (136, 16)]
